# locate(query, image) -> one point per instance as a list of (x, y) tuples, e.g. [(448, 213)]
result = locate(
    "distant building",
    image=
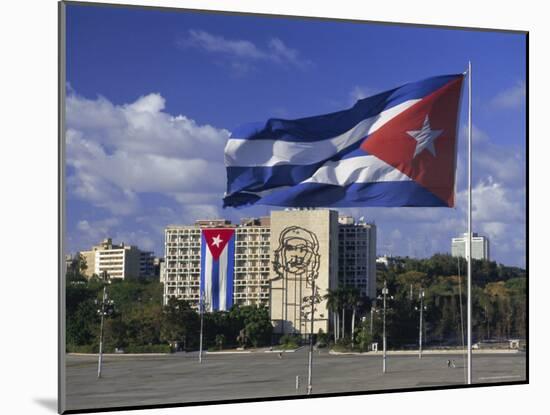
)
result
[(146, 264), (357, 255), (480, 246), (120, 261), (388, 260), (158, 267)]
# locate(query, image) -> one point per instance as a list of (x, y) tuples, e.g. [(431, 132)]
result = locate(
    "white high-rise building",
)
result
[(480, 246), (181, 273)]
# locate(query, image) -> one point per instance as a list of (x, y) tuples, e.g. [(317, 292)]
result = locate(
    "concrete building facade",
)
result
[(357, 255), (252, 262), (480, 246), (146, 264), (297, 252), (119, 261), (181, 272)]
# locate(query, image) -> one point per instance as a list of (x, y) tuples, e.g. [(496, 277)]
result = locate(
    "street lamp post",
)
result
[(201, 310), (310, 357), (422, 308), (372, 309), (103, 311), (385, 292)]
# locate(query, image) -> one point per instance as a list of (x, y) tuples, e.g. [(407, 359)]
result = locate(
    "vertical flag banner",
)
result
[(397, 148), (217, 268)]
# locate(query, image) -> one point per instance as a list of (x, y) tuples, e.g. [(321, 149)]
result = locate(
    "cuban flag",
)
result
[(217, 266), (397, 148)]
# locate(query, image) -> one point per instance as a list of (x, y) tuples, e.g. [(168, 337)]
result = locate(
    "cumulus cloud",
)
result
[(504, 164), (510, 98), (242, 53), (118, 152), (89, 232)]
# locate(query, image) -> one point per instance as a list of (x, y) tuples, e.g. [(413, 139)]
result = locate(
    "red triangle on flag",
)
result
[(433, 121), (216, 239)]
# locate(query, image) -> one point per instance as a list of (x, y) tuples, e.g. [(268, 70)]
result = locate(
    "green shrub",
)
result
[(291, 339), (86, 348), (148, 348)]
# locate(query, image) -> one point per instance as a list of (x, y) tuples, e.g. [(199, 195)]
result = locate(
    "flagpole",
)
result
[(469, 240)]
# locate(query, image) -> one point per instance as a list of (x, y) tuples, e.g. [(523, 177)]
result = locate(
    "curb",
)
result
[(222, 352), (284, 351), (424, 352), (120, 354)]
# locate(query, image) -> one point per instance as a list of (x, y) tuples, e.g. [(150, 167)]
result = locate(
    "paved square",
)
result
[(179, 378)]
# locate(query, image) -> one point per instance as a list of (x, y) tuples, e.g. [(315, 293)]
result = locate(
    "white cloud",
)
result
[(504, 164), (120, 151), (492, 202), (91, 232), (243, 52), (511, 98)]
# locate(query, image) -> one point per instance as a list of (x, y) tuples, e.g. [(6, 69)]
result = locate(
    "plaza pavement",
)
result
[(179, 378)]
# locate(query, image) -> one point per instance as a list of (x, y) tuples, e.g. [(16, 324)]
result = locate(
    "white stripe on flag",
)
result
[(223, 278), (364, 169), (249, 153), (208, 278)]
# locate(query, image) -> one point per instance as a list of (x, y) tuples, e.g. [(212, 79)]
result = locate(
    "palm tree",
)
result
[(343, 301), (354, 298), (333, 304)]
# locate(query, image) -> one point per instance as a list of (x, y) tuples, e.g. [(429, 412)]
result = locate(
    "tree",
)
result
[(333, 304), (353, 299), (76, 269), (82, 321), (179, 322), (252, 324), (364, 337), (220, 340)]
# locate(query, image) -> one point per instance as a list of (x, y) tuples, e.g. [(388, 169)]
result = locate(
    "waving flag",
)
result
[(217, 265), (397, 148)]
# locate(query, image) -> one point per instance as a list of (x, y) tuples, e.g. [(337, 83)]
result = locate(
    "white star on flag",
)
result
[(217, 241), (425, 138)]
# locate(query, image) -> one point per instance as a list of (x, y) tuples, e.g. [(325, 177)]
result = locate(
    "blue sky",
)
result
[(153, 96)]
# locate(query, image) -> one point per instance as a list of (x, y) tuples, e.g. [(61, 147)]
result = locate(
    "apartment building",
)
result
[(119, 261), (181, 274), (480, 246)]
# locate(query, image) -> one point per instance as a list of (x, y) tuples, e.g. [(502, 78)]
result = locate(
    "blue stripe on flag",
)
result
[(203, 259), (216, 284), (230, 271), (381, 194), (330, 125), (262, 178)]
